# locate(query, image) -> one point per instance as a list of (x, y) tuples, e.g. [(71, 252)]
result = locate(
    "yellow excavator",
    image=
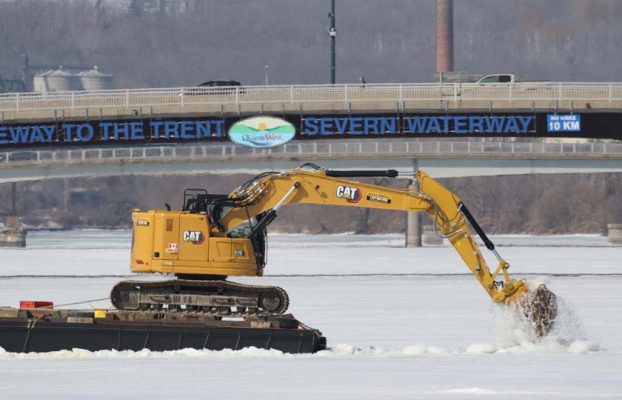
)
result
[(217, 236)]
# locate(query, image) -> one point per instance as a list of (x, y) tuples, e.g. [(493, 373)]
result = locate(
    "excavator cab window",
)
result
[(195, 200), (199, 201)]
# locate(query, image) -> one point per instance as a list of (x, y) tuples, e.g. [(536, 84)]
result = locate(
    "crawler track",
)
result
[(210, 296)]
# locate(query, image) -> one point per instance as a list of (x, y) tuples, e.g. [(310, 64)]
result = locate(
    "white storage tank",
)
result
[(40, 83), (61, 80), (58, 80), (95, 80)]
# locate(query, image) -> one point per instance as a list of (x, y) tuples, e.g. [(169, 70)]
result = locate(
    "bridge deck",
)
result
[(442, 158), (311, 98), (310, 150)]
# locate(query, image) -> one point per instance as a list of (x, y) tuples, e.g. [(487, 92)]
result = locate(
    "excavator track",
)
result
[(215, 297)]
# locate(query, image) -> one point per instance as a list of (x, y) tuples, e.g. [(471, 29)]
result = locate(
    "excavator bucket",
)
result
[(540, 308)]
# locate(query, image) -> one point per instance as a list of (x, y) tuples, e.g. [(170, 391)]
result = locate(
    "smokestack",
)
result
[(444, 35)]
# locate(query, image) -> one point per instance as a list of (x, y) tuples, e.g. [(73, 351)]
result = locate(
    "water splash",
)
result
[(513, 332)]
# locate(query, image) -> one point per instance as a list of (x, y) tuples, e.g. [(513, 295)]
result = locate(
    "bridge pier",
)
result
[(413, 229), (13, 235), (413, 225), (614, 233), (430, 238)]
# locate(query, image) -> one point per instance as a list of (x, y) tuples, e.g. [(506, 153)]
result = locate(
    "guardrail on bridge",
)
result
[(581, 93), (373, 149)]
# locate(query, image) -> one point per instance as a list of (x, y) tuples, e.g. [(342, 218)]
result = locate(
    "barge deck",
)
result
[(44, 330)]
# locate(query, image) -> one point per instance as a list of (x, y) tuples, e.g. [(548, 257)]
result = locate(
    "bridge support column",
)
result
[(429, 236), (614, 233), (13, 235), (413, 227)]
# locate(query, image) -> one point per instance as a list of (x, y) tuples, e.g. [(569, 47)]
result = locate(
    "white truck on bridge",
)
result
[(461, 77), (497, 78)]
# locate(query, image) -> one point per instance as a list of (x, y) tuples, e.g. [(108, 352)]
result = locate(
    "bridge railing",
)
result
[(313, 150), (301, 94)]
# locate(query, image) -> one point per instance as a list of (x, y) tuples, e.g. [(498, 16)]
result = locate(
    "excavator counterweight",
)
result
[(216, 236)]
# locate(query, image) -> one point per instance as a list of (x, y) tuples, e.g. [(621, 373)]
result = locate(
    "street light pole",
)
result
[(265, 76), (332, 32)]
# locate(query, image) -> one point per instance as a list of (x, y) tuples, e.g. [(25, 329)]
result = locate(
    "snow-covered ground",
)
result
[(401, 324)]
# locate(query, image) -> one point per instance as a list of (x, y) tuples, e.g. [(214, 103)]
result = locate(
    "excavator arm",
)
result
[(255, 204)]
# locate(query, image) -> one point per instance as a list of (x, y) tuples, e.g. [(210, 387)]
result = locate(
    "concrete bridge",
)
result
[(310, 98), (441, 158), (446, 157)]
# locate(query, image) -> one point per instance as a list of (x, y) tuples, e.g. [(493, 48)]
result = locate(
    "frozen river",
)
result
[(401, 324)]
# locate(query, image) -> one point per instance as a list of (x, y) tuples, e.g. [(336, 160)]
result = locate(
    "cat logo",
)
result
[(194, 237), (351, 194)]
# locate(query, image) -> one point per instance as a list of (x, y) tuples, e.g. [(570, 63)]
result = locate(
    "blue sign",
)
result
[(265, 131), (419, 125), (112, 131), (563, 123)]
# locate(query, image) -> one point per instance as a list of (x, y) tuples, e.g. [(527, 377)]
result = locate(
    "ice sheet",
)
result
[(97, 253), (391, 336)]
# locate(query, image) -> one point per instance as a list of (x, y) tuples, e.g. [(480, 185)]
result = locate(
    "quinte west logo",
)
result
[(262, 132), (194, 237), (351, 194)]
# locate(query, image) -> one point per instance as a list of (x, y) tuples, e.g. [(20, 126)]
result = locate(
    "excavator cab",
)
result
[(198, 201), (195, 200)]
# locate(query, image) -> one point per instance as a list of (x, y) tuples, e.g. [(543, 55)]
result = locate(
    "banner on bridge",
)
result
[(311, 127)]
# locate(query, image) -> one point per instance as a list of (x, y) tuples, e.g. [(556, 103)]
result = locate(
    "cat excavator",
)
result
[(215, 236)]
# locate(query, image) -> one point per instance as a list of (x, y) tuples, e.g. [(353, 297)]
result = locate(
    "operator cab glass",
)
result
[(198, 201)]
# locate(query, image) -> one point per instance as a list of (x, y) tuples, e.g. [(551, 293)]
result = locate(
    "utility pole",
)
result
[(332, 32)]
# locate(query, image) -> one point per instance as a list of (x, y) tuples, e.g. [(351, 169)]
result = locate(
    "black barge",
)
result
[(44, 330)]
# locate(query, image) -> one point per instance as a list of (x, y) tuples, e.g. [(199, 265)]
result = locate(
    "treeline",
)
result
[(536, 204), (154, 43)]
